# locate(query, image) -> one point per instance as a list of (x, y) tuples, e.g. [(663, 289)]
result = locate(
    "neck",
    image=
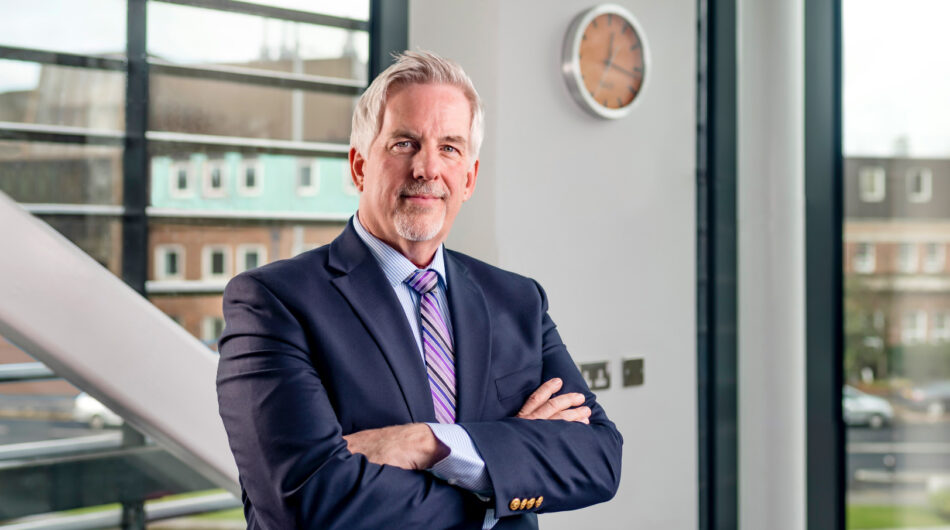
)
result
[(420, 253)]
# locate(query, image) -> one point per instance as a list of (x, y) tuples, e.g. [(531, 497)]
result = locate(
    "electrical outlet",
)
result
[(632, 372), (596, 374)]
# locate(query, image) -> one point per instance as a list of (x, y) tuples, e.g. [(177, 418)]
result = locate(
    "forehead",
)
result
[(428, 108)]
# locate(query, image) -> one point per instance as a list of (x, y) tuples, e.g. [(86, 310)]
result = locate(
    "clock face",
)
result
[(605, 60)]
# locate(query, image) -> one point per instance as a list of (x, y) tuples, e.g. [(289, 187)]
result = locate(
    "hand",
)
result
[(541, 406), (411, 446)]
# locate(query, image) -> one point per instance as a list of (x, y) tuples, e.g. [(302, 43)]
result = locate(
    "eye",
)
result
[(403, 145), (450, 149)]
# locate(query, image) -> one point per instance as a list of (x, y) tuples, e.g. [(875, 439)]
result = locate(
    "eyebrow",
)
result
[(414, 136)]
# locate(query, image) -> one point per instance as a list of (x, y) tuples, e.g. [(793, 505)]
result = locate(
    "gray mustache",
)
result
[(423, 189)]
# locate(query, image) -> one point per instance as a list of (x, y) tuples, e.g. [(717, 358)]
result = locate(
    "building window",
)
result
[(169, 262), (941, 331), (871, 182), (914, 327), (216, 262), (863, 261), (215, 181), (919, 182), (250, 257), (249, 179), (211, 329), (935, 257), (308, 177), (907, 258), (180, 178)]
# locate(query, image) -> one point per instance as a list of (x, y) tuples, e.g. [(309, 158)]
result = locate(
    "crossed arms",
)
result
[(299, 470)]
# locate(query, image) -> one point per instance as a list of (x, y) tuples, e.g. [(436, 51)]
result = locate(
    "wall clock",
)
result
[(605, 60)]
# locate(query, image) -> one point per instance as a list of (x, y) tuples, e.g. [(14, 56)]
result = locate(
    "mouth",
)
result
[(421, 199)]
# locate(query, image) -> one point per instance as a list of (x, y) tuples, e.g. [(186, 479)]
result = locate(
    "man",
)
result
[(383, 381)]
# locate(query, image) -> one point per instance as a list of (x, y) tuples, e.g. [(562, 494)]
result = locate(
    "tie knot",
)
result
[(423, 281)]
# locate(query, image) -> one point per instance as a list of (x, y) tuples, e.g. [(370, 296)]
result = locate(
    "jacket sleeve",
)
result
[(570, 465), (288, 445)]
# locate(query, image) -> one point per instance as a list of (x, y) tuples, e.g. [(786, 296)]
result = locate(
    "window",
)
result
[(872, 184), (914, 327), (907, 258), (935, 256), (941, 331), (211, 329), (863, 261), (180, 177), (308, 177), (215, 181), (250, 257), (250, 176), (169, 262), (216, 262), (919, 181)]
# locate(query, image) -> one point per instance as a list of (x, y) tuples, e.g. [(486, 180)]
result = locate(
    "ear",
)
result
[(356, 168), (470, 179)]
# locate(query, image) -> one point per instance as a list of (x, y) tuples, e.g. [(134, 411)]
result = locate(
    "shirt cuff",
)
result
[(464, 466)]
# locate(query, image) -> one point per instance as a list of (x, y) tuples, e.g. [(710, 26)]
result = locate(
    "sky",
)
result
[(896, 66)]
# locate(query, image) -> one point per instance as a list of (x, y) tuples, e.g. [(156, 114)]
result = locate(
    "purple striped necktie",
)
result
[(436, 345)]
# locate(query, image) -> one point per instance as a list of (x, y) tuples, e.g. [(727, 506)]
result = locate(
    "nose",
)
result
[(427, 164)]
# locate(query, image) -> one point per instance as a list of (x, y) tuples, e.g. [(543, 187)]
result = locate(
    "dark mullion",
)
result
[(716, 265), (824, 293), (293, 15), (388, 32), (135, 155), (62, 59)]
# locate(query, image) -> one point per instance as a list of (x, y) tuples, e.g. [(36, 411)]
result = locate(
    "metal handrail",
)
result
[(154, 511), (20, 372), (62, 447)]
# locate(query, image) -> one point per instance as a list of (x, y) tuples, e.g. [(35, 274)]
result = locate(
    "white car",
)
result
[(87, 409), (865, 409)]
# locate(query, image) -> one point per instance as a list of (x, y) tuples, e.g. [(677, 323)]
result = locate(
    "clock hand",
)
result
[(610, 61), (636, 72)]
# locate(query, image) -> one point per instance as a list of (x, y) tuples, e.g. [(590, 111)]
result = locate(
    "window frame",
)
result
[(926, 191), (159, 256), (313, 188), (209, 191), (869, 262), (243, 189), (207, 273), (241, 254), (876, 174), (908, 257), (174, 191), (938, 265)]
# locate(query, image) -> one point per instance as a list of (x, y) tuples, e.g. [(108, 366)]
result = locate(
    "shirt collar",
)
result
[(396, 266)]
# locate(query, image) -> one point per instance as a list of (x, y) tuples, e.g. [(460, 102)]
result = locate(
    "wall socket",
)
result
[(632, 372), (596, 374)]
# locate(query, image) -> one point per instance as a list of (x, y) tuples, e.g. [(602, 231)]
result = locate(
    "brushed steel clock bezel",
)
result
[(571, 64)]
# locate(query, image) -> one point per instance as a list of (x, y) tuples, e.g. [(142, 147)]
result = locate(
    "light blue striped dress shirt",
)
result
[(464, 466)]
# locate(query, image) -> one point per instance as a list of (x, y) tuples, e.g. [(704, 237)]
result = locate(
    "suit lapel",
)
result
[(368, 291), (471, 330)]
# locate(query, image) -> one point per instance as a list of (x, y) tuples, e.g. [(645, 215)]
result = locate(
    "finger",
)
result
[(540, 396), (578, 414), (558, 404)]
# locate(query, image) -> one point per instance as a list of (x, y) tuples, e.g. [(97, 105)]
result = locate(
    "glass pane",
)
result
[(224, 108), (98, 236), (86, 26), (33, 172), (62, 95), (194, 299), (897, 281), (191, 35)]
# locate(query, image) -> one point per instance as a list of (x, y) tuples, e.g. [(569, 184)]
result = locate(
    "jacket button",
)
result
[(515, 504), (524, 504), (531, 502), (540, 500)]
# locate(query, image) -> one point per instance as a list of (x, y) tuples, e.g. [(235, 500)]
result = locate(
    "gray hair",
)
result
[(410, 68)]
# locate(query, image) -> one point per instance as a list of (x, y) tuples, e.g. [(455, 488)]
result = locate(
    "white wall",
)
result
[(602, 214)]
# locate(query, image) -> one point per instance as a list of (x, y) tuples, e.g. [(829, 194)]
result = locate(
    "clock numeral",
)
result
[(633, 91), (606, 104), (619, 103), (625, 28), (635, 46), (593, 22), (610, 19)]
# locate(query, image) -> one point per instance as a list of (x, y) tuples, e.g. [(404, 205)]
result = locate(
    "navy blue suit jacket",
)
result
[(317, 347)]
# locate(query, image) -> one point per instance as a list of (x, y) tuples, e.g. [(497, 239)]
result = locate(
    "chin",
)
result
[(419, 227)]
